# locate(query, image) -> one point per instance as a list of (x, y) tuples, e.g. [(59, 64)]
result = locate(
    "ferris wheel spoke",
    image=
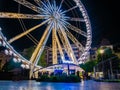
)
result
[(67, 45), (29, 5), (38, 2), (41, 45), (77, 30), (75, 19), (75, 41), (50, 6), (54, 3), (34, 40), (61, 4), (26, 32), (70, 9), (47, 7), (21, 16)]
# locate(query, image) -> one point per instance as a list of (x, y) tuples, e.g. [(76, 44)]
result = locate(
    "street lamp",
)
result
[(102, 52)]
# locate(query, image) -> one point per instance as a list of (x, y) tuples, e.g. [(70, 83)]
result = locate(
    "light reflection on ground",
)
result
[(33, 85)]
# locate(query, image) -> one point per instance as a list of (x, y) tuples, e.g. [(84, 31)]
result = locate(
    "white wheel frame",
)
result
[(57, 23)]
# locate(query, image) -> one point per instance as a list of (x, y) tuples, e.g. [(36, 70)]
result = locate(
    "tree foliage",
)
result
[(108, 52), (28, 53), (88, 66), (11, 65), (42, 61)]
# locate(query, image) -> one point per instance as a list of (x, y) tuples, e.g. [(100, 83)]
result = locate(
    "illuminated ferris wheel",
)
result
[(65, 20)]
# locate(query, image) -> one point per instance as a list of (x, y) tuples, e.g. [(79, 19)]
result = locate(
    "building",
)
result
[(93, 53), (47, 54), (116, 49), (48, 57)]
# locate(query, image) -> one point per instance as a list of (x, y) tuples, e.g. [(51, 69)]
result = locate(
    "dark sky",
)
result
[(103, 16), (104, 19), (110, 24)]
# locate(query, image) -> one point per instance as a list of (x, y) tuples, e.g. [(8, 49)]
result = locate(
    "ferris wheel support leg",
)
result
[(31, 71), (60, 49), (26, 32), (67, 45), (39, 49), (70, 50), (54, 47)]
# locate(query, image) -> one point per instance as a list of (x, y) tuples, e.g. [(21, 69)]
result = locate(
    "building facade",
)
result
[(48, 55)]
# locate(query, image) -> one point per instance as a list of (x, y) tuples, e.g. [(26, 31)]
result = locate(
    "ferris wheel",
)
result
[(66, 21)]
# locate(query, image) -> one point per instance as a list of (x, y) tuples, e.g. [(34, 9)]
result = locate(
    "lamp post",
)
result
[(68, 69), (111, 71), (102, 52)]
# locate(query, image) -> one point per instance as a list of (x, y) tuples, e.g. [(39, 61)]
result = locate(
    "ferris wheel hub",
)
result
[(56, 15)]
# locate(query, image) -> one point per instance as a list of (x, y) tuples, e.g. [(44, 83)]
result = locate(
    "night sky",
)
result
[(104, 19), (103, 16)]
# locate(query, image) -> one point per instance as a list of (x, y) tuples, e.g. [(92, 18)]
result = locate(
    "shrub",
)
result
[(61, 78)]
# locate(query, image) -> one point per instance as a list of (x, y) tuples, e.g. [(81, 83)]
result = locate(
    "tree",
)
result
[(28, 53), (11, 65), (42, 61), (88, 66), (107, 53), (108, 62)]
